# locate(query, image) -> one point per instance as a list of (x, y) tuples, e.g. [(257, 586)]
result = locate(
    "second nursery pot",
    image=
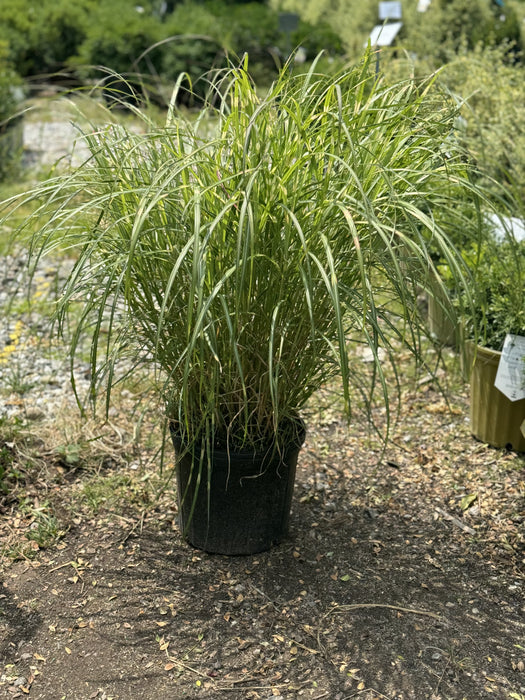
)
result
[(235, 502), (440, 322), (494, 419)]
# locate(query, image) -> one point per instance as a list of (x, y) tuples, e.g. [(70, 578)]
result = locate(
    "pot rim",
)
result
[(299, 437)]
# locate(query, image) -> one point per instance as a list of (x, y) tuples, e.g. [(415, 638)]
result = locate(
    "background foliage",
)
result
[(11, 94), (432, 35), (54, 35), (478, 42), (492, 94)]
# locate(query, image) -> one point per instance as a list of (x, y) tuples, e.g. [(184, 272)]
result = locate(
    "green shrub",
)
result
[(318, 37), (11, 94), (117, 36), (195, 45), (450, 27), (351, 22), (17, 22), (10, 87), (64, 26), (42, 37), (432, 36), (45, 38), (492, 97), (253, 29), (499, 283)]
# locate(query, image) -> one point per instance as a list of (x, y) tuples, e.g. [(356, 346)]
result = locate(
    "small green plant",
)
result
[(69, 454), (45, 529), (499, 281), (10, 469), (109, 493), (14, 378), (6, 468)]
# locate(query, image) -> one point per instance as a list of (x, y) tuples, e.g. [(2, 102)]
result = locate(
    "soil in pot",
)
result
[(241, 503)]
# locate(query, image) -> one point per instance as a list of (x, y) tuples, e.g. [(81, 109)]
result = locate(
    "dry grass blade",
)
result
[(398, 608)]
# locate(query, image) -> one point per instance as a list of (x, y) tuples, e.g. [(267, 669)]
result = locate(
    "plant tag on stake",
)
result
[(510, 378)]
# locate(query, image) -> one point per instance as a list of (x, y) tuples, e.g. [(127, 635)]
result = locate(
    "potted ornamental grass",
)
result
[(498, 312), (244, 253)]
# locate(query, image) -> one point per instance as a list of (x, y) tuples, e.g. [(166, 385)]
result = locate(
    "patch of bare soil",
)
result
[(401, 579)]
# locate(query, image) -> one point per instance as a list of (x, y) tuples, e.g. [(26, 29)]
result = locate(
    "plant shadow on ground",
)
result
[(385, 587)]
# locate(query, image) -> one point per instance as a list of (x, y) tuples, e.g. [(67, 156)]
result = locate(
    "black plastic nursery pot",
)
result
[(235, 503)]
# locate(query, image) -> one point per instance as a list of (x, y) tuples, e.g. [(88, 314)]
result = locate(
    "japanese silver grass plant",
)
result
[(243, 253)]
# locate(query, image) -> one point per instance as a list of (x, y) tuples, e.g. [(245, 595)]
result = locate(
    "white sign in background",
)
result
[(390, 10), (510, 378)]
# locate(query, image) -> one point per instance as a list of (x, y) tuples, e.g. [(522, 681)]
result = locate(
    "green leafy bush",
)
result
[(194, 44), (318, 37), (499, 279), (47, 37), (63, 28), (18, 20), (351, 22), (452, 27), (491, 93), (11, 94), (10, 87), (253, 29), (116, 37), (433, 36), (43, 36)]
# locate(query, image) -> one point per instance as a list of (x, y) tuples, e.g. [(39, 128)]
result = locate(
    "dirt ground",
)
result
[(402, 578)]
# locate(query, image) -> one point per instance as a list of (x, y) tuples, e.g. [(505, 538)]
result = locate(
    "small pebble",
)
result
[(33, 413)]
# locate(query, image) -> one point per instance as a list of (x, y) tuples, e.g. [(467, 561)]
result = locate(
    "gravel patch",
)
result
[(35, 376)]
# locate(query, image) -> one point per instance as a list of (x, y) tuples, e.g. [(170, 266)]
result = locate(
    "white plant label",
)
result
[(510, 378)]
